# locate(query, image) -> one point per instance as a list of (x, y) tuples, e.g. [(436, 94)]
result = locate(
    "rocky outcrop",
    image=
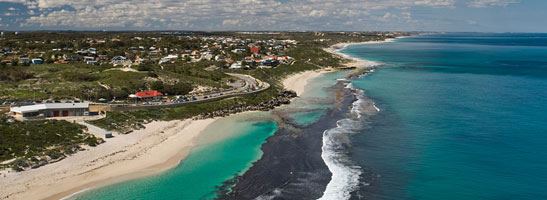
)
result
[(284, 97)]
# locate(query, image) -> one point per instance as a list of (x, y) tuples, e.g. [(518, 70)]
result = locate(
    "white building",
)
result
[(50, 110)]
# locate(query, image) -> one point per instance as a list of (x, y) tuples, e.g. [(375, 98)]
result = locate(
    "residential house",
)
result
[(88, 58), (72, 58), (24, 60), (121, 60), (37, 61), (255, 49)]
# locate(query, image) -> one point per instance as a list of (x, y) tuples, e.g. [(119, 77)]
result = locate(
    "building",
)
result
[(89, 58), (24, 60), (37, 61), (149, 95), (50, 110), (255, 50), (120, 60)]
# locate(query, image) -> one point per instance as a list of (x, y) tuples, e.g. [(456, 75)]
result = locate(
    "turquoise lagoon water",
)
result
[(464, 116), (315, 101), (227, 148)]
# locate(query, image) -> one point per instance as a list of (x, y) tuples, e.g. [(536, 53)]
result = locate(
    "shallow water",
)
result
[(226, 148)]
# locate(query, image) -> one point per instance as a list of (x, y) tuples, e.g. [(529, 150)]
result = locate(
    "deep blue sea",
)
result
[(463, 116)]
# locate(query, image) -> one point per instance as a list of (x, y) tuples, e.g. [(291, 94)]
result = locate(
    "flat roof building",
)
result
[(50, 110)]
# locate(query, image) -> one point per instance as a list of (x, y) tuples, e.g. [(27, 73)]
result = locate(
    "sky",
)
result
[(276, 15)]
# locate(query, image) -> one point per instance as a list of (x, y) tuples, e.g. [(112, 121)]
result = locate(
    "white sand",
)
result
[(144, 152), (356, 62), (298, 82)]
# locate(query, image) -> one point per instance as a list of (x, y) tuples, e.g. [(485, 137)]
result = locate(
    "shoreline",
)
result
[(357, 62), (159, 147), (297, 82), (144, 152)]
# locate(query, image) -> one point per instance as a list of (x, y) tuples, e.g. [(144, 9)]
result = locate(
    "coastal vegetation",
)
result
[(31, 144)]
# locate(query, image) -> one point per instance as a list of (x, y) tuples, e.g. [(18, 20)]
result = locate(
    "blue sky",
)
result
[(283, 15)]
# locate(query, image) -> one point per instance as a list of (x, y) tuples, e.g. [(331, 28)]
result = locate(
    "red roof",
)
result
[(254, 49), (147, 94)]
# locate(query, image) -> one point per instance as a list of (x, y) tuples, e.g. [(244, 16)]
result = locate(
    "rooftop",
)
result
[(38, 107)]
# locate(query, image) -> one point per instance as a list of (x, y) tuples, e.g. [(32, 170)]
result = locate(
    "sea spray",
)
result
[(345, 174)]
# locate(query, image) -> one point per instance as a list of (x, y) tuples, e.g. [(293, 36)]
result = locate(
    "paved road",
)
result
[(249, 80), (252, 85)]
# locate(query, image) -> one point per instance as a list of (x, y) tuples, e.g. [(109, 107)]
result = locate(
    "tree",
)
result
[(158, 85)]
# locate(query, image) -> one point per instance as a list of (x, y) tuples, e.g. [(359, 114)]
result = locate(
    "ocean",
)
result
[(463, 116), (443, 116)]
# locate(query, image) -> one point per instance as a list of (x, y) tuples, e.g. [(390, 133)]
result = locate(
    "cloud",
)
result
[(220, 15), (472, 22), (490, 3), (436, 3), (230, 22)]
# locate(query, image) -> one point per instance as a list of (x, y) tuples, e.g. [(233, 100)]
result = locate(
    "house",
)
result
[(37, 61), (72, 58), (24, 60), (154, 52), (82, 52), (235, 66), (88, 58), (249, 59), (238, 50), (92, 51), (255, 50), (120, 60), (165, 60), (50, 110), (92, 62), (149, 95)]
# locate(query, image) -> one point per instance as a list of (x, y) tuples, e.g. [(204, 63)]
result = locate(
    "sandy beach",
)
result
[(356, 62), (158, 147), (298, 82)]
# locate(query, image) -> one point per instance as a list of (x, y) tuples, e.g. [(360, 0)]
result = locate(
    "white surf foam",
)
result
[(345, 176), (71, 196)]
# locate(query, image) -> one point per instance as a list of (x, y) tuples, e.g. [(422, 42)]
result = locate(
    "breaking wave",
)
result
[(345, 174)]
